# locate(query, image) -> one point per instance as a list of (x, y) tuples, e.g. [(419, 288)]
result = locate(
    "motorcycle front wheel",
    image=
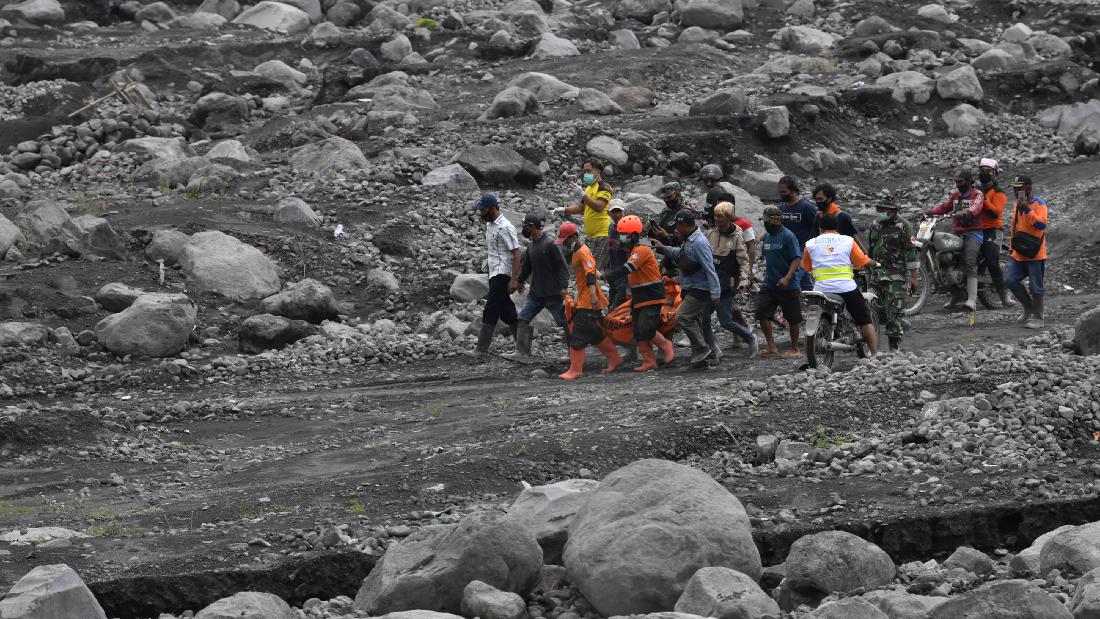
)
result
[(916, 301), (818, 352)]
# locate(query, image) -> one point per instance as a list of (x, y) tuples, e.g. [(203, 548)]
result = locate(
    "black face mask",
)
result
[(985, 177), (486, 217), (962, 187), (671, 203), (773, 228), (526, 233), (821, 206)]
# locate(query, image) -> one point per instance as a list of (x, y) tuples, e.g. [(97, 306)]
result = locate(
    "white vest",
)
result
[(831, 257)]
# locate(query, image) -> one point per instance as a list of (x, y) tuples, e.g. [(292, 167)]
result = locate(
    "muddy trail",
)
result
[(222, 489)]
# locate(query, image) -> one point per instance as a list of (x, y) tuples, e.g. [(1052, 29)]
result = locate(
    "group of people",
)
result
[(711, 253)]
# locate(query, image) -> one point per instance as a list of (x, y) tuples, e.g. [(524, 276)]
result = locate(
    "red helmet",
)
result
[(631, 224)]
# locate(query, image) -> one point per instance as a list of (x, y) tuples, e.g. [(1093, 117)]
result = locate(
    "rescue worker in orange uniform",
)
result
[(1029, 252), (647, 293), (992, 223), (586, 327)]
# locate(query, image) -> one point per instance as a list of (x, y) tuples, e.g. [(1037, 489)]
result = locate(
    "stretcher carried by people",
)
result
[(617, 323)]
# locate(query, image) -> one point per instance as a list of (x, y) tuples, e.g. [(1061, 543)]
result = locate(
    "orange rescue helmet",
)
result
[(631, 224)]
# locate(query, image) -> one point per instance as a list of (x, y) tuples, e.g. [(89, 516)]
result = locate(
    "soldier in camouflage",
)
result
[(891, 244)]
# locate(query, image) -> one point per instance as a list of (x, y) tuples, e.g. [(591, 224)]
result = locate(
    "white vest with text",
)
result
[(831, 256)]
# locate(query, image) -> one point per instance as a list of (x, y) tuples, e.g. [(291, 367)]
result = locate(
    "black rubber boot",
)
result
[(895, 343)]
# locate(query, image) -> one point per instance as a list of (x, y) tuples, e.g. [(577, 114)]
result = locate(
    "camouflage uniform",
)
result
[(891, 244)]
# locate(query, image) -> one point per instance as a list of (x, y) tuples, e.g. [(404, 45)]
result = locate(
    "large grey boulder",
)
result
[(166, 245), (962, 83), (551, 45), (645, 531), (23, 334), (158, 148), (10, 235), (963, 119), (804, 40), (248, 605), (281, 73), (116, 296), (848, 608), (1086, 332), (1086, 599), (511, 102), (545, 87), (198, 21), (723, 593), (274, 16), (722, 102), (969, 559), (499, 166), (908, 85), (155, 325), (50, 592), (43, 220), (1076, 550), (607, 149), (836, 561), (488, 602), (155, 12), (232, 150), (1027, 561), (1006, 599), (310, 7), (225, 8), (396, 48), (308, 300), (397, 98), (902, 605), (992, 60), (594, 101), (468, 287), (267, 332), (220, 263), (776, 120), (641, 10), (547, 511), (452, 177), (430, 569), (328, 157), (711, 14), (292, 210), (34, 13), (873, 25), (219, 114), (1073, 120)]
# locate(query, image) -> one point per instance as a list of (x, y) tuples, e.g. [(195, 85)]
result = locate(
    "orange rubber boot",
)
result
[(614, 360), (666, 348), (649, 362), (576, 365)]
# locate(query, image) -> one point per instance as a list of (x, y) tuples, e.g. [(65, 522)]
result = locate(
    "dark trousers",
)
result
[(498, 304), (991, 251)]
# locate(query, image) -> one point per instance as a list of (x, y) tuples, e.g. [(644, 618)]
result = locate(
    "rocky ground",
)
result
[(233, 300)]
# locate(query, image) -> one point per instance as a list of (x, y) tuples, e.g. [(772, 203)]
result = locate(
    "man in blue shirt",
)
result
[(782, 255), (800, 217), (699, 283)]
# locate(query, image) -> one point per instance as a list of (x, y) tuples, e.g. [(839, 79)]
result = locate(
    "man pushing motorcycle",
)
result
[(965, 205)]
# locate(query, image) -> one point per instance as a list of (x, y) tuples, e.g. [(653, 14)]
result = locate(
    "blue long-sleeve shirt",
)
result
[(697, 248)]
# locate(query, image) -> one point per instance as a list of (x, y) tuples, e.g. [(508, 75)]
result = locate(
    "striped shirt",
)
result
[(500, 240)]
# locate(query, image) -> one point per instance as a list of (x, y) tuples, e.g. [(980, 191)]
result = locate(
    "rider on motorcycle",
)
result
[(965, 205), (832, 259)]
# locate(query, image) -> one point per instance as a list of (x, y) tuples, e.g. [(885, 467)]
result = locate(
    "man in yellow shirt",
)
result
[(593, 197)]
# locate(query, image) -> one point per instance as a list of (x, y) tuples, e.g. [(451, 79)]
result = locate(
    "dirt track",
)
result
[(344, 447)]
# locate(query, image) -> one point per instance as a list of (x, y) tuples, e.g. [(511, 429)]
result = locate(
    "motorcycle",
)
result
[(829, 328), (940, 255)]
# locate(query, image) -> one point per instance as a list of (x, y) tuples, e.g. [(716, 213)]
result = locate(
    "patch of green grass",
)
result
[(357, 507), (427, 22), (113, 528), (823, 439), (436, 410), (566, 442), (7, 510)]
